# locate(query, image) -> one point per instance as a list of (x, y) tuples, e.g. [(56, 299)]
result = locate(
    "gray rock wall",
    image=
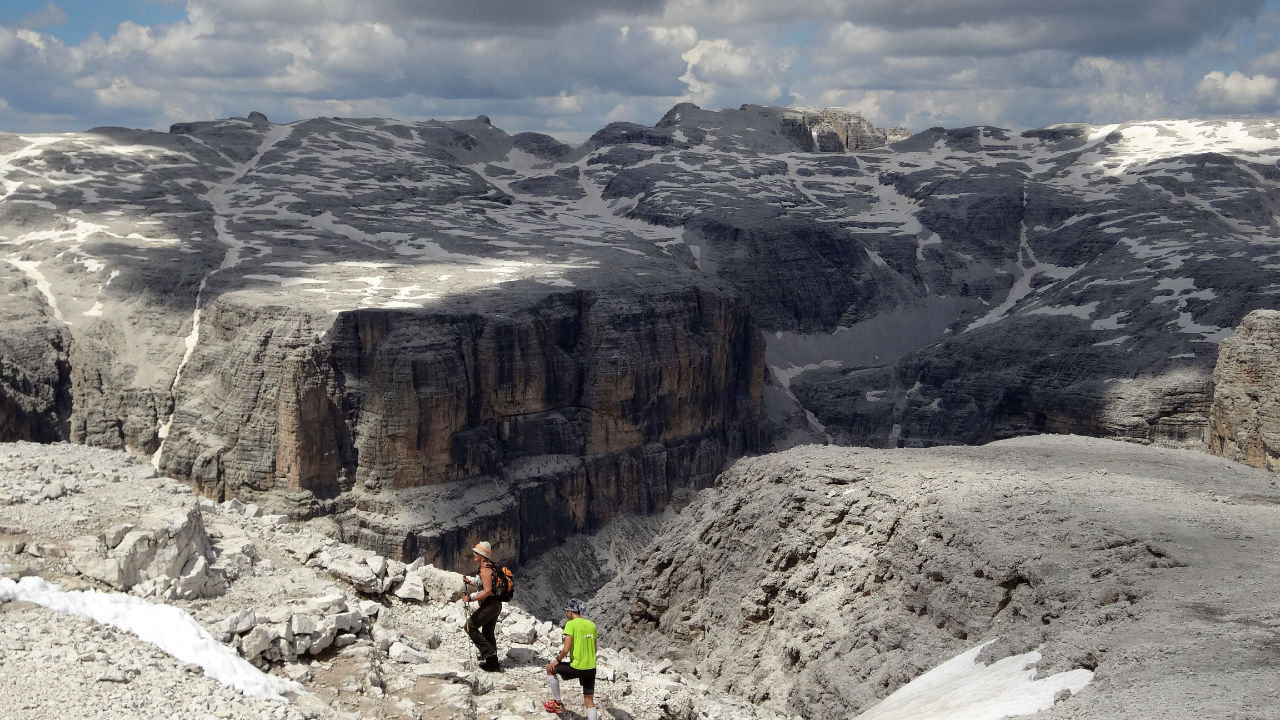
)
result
[(578, 408), (1244, 418), (35, 383), (819, 580)]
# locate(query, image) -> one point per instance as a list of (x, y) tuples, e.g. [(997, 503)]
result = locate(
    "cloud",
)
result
[(48, 16), (573, 65), (1238, 92), (717, 71)]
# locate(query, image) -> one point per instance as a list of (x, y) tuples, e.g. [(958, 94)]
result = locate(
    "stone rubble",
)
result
[(345, 623)]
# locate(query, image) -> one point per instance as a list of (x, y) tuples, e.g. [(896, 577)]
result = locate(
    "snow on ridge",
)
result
[(964, 689), (31, 269)]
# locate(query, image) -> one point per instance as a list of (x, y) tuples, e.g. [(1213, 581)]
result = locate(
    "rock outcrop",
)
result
[(1244, 420), (773, 129), (35, 382), (168, 556), (818, 580)]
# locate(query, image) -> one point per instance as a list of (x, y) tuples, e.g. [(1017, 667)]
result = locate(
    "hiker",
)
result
[(480, 626), (580, 647)]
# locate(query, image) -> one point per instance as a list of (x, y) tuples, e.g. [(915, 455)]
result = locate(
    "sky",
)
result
[(569, 67)]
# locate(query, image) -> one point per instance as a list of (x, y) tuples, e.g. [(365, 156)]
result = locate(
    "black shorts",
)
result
[(586, 677)]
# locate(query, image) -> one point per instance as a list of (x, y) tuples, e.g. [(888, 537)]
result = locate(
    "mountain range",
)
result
[(433, 332)]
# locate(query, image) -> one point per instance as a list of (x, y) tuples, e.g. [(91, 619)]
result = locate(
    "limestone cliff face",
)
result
[(565, 413), (1244, 419), (35, 397)]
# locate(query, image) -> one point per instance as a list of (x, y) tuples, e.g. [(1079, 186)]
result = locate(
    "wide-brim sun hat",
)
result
[(483, 549)]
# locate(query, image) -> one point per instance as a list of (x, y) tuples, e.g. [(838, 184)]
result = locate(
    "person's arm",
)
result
[(565, 650), (486, 578)]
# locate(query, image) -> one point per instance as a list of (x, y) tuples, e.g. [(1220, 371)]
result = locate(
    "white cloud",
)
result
[(717, 71), (46, 16), (581, 63), (1238, 92), (122, 93)]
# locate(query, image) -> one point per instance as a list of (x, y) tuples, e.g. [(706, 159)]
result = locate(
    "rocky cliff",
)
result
[(355, 318), (429, 431), (1244, 419), (438, 330), (815, 582)]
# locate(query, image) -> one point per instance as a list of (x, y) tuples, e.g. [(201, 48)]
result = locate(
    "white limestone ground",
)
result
[(838, 575), (1160, 648), (415, 663)]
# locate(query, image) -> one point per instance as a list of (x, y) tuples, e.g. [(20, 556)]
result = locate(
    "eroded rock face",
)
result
[(1244, 419), (577, 409), (35, 383), (818, 580), (166, 555)]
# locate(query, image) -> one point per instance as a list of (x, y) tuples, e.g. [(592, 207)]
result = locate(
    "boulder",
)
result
[(358, 573), (171, 553), (402, 653), (523, 630), (1244, 418), (412, 588)]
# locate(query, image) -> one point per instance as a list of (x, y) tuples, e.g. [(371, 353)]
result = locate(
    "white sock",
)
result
[(591, 714), (553, 682)]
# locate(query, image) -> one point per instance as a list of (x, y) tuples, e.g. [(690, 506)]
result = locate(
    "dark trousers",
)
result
[(481, 624)]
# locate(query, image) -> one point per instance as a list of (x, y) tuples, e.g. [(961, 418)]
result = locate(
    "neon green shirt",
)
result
[(582, 654)]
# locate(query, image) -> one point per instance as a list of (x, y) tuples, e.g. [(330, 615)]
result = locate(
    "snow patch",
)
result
[(963, 689), (165, 626)]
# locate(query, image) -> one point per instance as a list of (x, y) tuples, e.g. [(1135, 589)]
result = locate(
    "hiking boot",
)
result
[(553, 706), (490, 664)]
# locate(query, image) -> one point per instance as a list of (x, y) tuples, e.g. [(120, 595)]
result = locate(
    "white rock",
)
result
[(411, 588), (240, 623), (522, 630), (350, 620), (357, 573), (303, 624), (257, 641), (333, 603), (384, 638), (323, 637), (396, 570), (405, 654), (52, 491), (441, 585), (115, 534)]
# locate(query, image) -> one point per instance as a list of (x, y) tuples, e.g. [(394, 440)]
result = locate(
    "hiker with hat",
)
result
[(580, 649), (482, 623)]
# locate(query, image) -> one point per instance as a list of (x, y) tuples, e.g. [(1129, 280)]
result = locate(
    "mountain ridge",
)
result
[(323, 314)]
